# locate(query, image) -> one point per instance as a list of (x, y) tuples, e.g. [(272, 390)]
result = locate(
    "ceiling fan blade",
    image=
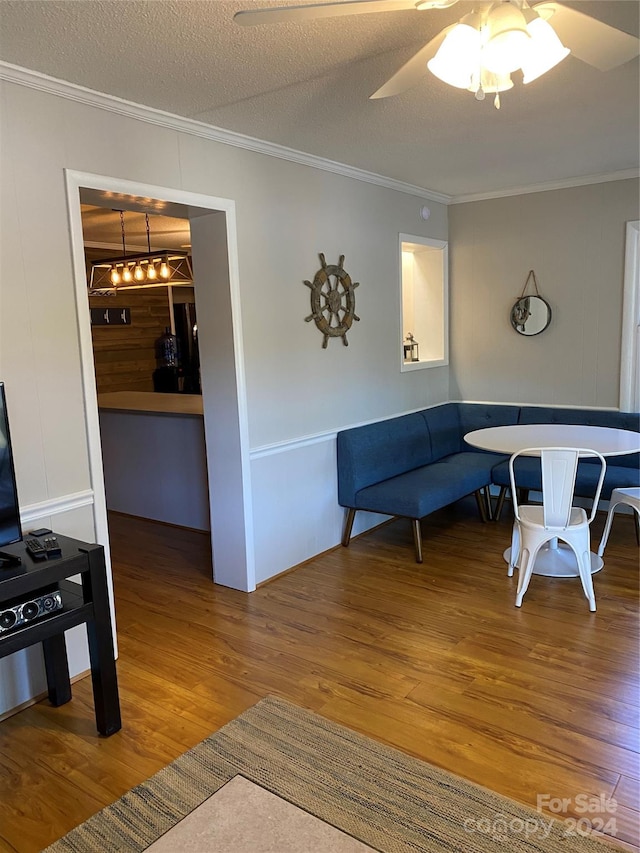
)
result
[(590, 40), (283, 14), (413, 70)]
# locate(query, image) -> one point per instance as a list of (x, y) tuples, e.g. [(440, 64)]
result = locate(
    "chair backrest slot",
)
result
[(559, 468)]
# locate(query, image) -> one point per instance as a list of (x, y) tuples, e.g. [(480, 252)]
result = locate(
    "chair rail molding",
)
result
[(55, 506)]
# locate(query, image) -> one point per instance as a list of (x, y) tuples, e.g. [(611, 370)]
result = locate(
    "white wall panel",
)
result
[(574, 240), (286, 215), (304, 519)]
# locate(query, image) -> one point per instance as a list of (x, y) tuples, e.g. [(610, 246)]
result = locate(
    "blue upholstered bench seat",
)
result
[(527, 471), (417, 493), (416, 464)]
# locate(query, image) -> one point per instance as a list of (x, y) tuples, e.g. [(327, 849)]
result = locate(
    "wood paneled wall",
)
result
[(124, 356)]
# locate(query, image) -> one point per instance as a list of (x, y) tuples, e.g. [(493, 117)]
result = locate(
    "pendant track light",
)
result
[(152, 269)]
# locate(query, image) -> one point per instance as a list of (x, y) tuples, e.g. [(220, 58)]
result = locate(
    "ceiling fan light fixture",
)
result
[(544, 51), (458, 56), (508, 38), (426, 5), (489, 82)]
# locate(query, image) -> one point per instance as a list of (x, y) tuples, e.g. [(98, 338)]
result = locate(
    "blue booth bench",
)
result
[(414, 464)]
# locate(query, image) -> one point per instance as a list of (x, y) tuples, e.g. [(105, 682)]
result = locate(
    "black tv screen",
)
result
[(10, 530)]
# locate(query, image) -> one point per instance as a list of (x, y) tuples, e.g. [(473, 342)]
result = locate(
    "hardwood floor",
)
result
[(433, 659)]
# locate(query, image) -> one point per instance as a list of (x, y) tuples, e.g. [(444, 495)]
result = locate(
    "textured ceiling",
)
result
[(307, 86), (102, 229)]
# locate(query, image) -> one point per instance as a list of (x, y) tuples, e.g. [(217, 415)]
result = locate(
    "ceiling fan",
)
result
[(485, 47)]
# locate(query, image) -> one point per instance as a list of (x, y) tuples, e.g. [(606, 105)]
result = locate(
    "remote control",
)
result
[(52, 546), (41, 531), (36, 549)]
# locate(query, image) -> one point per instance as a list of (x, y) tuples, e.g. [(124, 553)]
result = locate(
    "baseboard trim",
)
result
[(35, 699)]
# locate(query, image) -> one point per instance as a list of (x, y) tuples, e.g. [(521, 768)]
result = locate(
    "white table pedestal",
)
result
[(558, 562)]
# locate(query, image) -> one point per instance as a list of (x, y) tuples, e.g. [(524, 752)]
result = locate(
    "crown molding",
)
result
[(81, 94), (160, 118), (583, 181)]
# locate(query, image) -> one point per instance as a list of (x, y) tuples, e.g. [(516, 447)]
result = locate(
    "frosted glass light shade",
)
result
[(544, 51), (491, 83), (458, 56), (508, 39)]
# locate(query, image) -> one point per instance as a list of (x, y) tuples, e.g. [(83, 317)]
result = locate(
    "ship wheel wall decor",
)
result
[(333, 301)]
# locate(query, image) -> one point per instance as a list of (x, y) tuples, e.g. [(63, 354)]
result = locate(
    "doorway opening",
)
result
[(147, 368), (216, 292)]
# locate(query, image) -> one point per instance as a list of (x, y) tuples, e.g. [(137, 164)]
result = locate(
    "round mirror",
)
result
[(530, 315)]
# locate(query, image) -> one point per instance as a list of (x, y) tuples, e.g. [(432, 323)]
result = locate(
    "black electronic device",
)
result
[(16, 614), (10, 530), (35, 549), (52, 546), (41, 531)]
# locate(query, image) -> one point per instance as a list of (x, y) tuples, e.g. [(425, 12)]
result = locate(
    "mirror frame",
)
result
[(515, 325)]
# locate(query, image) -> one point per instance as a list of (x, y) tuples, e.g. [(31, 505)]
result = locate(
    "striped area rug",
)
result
[(378, 795)]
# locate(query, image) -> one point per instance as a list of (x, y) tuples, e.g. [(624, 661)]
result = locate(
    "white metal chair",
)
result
[(557, 518), (630, 497)]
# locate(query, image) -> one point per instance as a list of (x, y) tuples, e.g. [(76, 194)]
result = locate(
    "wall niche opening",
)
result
[(424, 299)]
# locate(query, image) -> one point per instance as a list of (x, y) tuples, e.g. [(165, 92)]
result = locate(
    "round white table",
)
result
[(556, 559)]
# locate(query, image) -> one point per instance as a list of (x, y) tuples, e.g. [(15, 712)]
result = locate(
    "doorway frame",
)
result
[(630, 345), (241, 575)]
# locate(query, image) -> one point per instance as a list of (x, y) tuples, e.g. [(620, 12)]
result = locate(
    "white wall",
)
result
[(286, 214), (574, 240)]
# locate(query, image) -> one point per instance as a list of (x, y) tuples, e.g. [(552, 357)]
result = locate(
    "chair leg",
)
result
[(527, 562), (417, 538), (584, 567), (515, 548), (607, 530), (481, 504), (348, 525), (500, 503)]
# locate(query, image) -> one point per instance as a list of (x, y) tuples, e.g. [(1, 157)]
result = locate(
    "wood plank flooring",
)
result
[(433, 659)]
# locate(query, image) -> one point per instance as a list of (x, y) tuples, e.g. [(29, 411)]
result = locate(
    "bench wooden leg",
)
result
[(500, 503), (417, 538), (481, 501), (348, 524), (487, 495)]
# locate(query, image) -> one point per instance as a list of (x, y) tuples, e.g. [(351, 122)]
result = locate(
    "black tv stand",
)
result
[(84, 603)]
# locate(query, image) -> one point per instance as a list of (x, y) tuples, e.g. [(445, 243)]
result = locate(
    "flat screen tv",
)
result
[(10, 530)]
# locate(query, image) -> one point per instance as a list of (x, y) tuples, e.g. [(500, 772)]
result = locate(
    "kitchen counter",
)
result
[(151, 402), (154, 456)]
